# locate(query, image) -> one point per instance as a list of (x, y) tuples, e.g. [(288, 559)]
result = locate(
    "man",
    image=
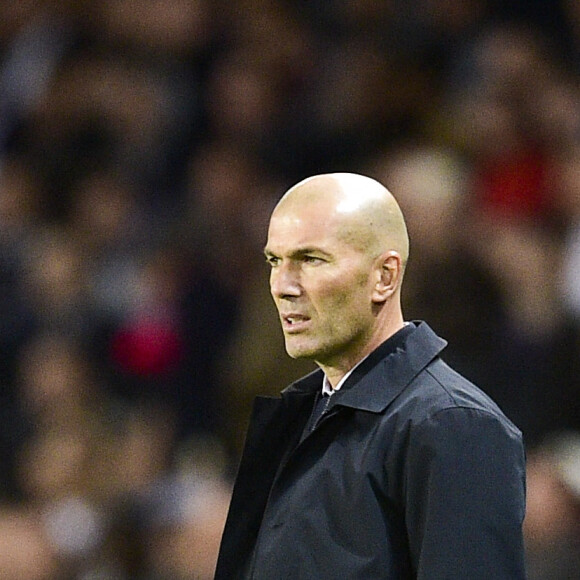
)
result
[(384, 463)]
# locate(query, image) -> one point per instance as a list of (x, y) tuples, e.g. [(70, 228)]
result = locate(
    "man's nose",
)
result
[(285, 281)]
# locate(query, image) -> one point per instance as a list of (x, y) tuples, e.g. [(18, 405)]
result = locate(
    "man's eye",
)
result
[(272, 261), (313, 260)]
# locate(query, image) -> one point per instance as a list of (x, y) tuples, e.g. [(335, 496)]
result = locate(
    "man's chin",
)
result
[(300, 351)]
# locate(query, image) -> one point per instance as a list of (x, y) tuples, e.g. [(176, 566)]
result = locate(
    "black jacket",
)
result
[(412, 473)]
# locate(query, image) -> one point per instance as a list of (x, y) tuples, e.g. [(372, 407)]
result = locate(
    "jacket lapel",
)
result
[(275, 427)]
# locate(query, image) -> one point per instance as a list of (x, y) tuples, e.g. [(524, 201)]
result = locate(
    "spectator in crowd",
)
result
[(552, 526)]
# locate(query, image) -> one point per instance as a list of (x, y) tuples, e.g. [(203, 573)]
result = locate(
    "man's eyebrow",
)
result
[(299, 252)]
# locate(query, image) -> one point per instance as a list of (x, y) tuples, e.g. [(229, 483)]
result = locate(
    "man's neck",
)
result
[(336, 372)]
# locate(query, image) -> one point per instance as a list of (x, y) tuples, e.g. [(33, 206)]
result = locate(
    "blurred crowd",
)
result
[(143, 144)]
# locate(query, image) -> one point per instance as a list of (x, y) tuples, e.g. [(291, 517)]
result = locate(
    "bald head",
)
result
[(364, 212)]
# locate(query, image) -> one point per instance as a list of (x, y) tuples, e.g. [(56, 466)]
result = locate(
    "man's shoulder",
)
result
[(441, 389)]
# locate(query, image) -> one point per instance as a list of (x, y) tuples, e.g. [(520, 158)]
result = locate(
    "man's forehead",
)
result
[(303, 228), (308, 221)]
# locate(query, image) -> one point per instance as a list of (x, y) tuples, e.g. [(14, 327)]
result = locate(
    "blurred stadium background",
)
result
[(143, 144)]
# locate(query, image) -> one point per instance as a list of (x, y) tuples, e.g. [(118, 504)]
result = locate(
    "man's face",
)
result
[(321, 284)]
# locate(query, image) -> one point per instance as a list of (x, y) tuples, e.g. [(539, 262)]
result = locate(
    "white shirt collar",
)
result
[(327, 388)]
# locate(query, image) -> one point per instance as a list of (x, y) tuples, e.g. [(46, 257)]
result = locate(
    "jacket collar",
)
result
[(382, 376)]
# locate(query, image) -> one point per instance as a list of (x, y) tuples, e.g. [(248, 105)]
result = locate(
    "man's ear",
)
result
[(388, 276)]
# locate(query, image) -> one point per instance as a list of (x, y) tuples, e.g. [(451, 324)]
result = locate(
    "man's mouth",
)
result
[(294, 322)]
